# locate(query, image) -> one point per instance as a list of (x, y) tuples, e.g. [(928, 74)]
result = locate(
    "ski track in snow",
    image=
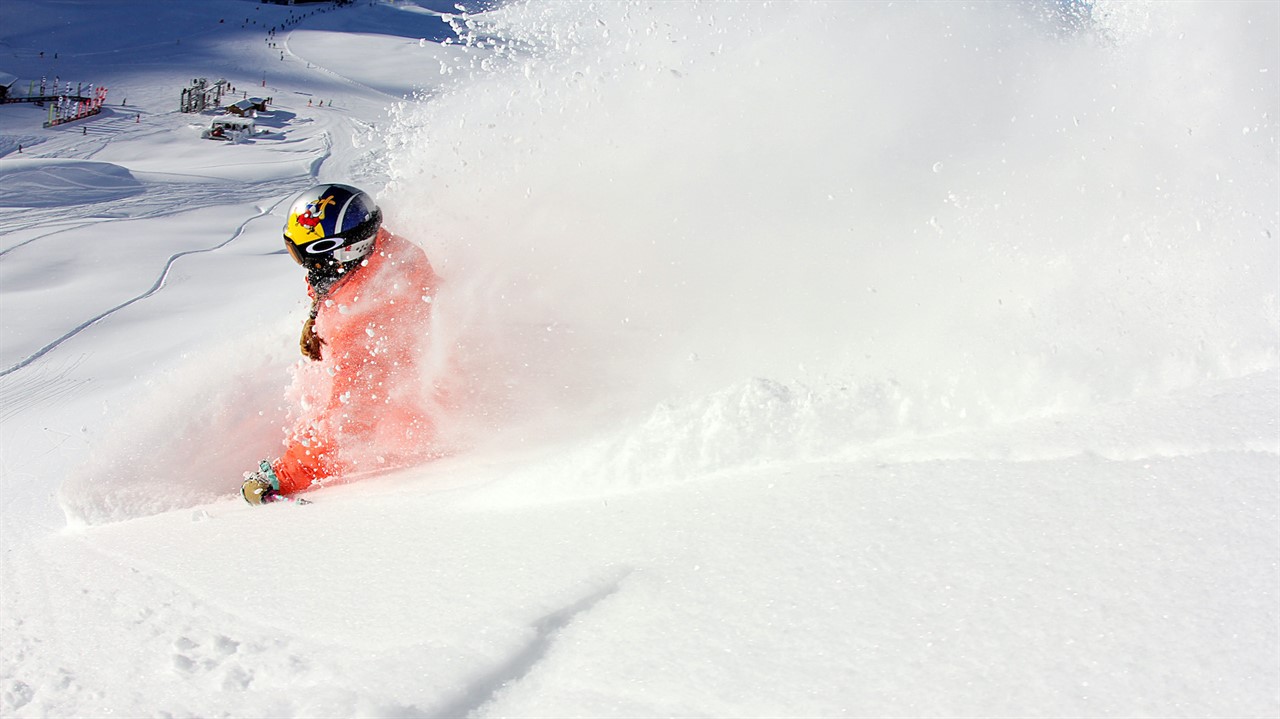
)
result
[(488, 688), (158, 200), (320, 68), (155, 287), (44, 385)]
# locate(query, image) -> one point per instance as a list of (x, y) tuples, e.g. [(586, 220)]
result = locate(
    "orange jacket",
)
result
[(362, 407)]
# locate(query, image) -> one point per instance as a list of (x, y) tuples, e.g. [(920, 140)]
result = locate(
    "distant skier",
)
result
[(358, 402)]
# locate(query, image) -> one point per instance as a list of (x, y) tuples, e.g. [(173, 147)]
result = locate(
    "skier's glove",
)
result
[(261, 487), (310, 343)]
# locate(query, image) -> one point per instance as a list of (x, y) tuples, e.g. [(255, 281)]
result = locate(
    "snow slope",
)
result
[(806, 359)]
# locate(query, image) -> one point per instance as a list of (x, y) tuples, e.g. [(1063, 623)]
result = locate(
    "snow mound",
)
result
[(757, 423), (59, 183), (765, 425)]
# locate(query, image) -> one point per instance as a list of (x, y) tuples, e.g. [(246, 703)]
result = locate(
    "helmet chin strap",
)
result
[(325, 277)]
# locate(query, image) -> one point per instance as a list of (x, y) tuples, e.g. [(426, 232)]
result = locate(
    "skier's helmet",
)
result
[(331, 225)]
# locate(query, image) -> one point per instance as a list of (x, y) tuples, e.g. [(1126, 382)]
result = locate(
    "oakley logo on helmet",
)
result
[(319, 247)]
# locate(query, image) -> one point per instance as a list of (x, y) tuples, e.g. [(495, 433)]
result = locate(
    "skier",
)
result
[(358, 399)]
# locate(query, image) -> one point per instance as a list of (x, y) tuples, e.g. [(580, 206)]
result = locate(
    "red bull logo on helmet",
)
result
[(326, 211), (310, 218)]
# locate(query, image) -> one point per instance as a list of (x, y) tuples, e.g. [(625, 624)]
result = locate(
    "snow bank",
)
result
[(51, 182)]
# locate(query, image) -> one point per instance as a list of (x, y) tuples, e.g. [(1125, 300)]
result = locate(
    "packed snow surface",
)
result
[(797, 359), (61, 182)]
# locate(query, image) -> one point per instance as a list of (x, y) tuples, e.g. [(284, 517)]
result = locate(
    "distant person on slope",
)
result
[(357, 403)]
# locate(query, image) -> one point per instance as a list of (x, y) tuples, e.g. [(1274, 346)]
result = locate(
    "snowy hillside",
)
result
[(802, 359)]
